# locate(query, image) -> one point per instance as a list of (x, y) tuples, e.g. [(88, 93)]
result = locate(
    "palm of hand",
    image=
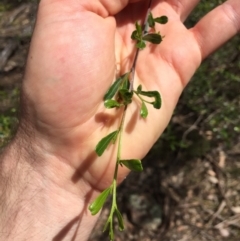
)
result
[(74, 57)]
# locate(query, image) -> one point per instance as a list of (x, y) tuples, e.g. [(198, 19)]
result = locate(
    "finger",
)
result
[(107, 7), (103, 8), (183, 7), (217, 27)]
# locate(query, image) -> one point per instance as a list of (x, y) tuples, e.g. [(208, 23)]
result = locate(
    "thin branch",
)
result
[(145, 30)]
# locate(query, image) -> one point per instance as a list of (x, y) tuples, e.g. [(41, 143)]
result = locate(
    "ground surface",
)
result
[(182, 195)]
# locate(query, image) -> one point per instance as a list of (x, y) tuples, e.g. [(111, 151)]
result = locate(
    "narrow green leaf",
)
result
[(113, 89), (115, 138), (151, 22), (109, 225), (120, 220), (161, 20), (111, 104), (111, 234), (106, 224), (126, 96), (132, 164), (134, 35), (139, 88), (155, 94), (104, 142), (144, 110), (96, 206), (141, 44), (139, 29), (126, 83), (153, 38)]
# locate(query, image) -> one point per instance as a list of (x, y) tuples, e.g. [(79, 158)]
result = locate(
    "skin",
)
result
[(49, 172)]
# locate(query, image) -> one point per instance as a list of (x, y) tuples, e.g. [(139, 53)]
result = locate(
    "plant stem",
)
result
[(114, 184), (145, 30), (119, 143), (118, 153), (145, 25)]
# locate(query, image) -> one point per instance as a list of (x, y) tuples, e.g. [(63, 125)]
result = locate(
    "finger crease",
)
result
[(232, 15)]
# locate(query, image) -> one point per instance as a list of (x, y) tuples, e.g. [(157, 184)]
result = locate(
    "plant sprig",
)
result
[(120, 95)]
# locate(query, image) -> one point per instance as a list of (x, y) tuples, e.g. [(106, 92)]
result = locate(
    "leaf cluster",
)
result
[(120, 90), (120, 95), (97, 205), (152, 94), (123, 97), (141, 35)]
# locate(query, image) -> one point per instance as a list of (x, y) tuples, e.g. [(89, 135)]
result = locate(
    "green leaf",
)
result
[(139, 89), (155, 94), (104, 142), (134, 35), (113, 89), (151, 22), (144, 110), (139, 29), (109, 225), (132, 164), (120, 220), (141, 44), (161, 20), (111, 104), (111, 234), (126, 96), (153, 38), (96, 206), (126, 83), (115, 138)]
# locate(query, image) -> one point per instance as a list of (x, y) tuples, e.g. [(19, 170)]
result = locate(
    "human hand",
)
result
[(77, 49)]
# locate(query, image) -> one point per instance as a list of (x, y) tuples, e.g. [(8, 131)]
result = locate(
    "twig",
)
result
[(216, 214), (221, 182), (145, 30), (191, 128), (233, 220)]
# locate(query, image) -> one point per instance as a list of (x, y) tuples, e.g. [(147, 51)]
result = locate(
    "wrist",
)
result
[(35, 198)]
